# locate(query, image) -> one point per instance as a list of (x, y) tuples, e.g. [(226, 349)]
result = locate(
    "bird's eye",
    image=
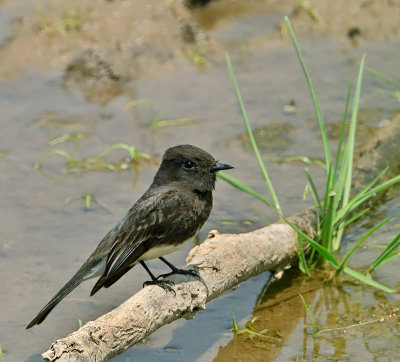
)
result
[(187, 165)]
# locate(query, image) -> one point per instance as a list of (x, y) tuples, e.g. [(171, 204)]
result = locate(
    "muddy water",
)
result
[(44, 239)]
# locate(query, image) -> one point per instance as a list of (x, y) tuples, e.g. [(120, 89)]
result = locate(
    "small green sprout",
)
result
[(250, 330), (97, 162)]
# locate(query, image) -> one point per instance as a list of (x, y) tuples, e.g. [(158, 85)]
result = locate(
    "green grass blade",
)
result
[(363, 195), (242, 187), (389, 258), (390, 93), (132, 150), (250, 133), (317, 108), (342, 177), (310, 316), (342, 132), (359, 242), (352, 133), (66, 137), (314, 192), (387, 253), (88, 201), (234, 324), (327, 230), (138, 102), (302, 258), (328, 188), (383, 78), (172, 122), (355, 217), (368, 280), (327, 213), (384, 185), (366, 195), (304, 159), (57, 151), (325, 253), (340, 185), (345, 176)]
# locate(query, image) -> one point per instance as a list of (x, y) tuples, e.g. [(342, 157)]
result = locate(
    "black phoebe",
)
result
[(171, 211)]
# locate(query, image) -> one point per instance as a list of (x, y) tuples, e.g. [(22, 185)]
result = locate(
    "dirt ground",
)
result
[(142, 38)]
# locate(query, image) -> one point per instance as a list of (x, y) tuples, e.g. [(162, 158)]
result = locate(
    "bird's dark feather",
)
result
[(156, 219)]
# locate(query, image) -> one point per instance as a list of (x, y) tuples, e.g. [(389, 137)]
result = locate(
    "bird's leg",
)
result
[(175, 270), (165, 284)]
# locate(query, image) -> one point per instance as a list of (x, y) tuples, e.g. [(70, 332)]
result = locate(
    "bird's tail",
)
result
[(84, 273)]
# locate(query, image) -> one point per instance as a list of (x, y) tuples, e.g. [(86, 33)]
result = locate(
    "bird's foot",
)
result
[(189, 272), (165, 284)]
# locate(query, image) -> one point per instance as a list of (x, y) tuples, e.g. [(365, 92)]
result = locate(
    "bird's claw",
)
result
[(190, 272), (165, 284)]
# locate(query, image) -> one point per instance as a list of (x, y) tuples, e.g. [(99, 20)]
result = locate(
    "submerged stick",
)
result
[(222, 260)]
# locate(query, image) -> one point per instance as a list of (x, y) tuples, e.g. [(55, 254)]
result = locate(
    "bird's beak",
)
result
[(220, 166)]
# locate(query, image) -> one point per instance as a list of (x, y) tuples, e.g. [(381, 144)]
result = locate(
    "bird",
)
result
[(170, 212)]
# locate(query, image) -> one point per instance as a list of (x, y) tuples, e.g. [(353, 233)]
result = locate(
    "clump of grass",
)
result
[(337, 208), (70, 20), (306, 7), (98, 162), (199, 60), (250, 331), (301, 7)]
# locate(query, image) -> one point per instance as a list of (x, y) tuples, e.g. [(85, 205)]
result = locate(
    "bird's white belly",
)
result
[(160, 251)]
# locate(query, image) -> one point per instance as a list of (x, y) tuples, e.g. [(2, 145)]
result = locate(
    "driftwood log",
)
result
[(223, 261)]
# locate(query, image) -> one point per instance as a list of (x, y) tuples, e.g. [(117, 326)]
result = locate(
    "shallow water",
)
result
[(44, 239)]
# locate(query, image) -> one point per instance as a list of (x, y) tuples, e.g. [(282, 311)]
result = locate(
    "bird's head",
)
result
[(190, 166)]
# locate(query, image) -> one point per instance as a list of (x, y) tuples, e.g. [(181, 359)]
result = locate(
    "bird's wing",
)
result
[(150, 221)]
